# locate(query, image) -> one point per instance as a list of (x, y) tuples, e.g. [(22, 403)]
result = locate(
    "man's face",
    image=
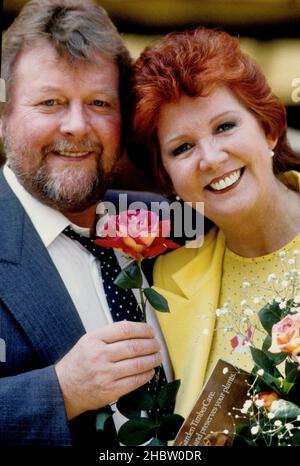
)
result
[(62, 130)]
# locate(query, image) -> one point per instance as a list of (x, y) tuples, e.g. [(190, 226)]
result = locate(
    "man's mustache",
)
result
[(82, 146)]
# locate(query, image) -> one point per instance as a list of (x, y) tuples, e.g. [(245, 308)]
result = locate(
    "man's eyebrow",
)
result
[(45, 89), (102, 91)]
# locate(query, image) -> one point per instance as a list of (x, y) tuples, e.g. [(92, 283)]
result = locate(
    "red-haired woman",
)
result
[(214, 132)]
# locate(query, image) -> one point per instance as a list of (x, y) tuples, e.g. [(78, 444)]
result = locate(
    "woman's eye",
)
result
[(225, 126), (182, 148), (100, 103)]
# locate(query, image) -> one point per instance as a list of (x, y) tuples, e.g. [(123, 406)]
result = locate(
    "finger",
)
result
[(124, 330), (128, 384), (131, 367), (132, 348)]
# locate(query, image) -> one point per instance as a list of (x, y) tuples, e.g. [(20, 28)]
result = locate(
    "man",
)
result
[(66, 71)]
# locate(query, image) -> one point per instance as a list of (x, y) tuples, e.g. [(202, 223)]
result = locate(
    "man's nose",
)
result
[(211, 156), (75, 122)]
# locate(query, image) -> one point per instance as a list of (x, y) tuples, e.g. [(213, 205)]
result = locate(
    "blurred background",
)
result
[(269, 30)]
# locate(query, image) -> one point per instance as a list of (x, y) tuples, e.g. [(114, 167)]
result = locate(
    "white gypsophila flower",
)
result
[(295, 272), (282, 254), (247, 404), (271, 277), (226, 431), (291, 261), (277, 423), (285, 282), (271, 415), (277, 299), (218, 312), (259, 403), (243, 302), (287, 274), (256, 300), (225, 370), (282, 305), (289, 426), (246, 284), (296, 252), (248, 312), (260, 372), (297, 299), (254, 430), (298, 418)]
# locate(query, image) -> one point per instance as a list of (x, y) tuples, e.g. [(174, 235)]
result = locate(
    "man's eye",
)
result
[(182, 148), (228, 125), (49, 102)]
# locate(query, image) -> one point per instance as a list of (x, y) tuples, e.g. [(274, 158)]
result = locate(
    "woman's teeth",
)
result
[(226, 181)]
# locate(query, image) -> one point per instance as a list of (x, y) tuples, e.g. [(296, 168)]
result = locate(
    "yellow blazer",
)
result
[(190, 279)]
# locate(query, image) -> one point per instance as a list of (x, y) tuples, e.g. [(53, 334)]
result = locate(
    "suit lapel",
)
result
[(30, 285)]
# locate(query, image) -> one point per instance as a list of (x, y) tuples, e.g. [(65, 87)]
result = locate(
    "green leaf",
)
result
[(155, 442), (133, 403), (286, 387), (291, 372), (130, 277), (156, 300), (243, 437), (270, 315), (296, 438), (263, 361), (169, 426), (276, 358), (102, 416), (136, 431), (284, 409), (167, 395)]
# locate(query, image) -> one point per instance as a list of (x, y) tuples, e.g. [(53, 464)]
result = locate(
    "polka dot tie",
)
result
[(122, 303)]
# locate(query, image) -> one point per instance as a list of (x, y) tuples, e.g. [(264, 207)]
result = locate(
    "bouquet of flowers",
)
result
[(270, 415), (141, 235)]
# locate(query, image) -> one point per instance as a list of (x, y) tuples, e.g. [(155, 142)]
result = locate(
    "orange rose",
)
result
[(267, 398), (286, 336), (137, 233)]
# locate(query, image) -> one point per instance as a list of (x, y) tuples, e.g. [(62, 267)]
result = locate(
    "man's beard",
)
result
[(70, 189)]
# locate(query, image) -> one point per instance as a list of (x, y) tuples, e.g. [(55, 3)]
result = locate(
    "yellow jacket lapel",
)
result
[(190, 280)]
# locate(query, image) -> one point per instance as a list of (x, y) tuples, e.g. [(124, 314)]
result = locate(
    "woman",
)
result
[(215, 133)]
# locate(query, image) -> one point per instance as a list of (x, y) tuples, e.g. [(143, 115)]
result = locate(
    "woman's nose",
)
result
[(210, 156)]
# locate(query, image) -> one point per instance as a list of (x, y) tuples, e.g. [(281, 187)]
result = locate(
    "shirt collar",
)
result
[(48, 222)]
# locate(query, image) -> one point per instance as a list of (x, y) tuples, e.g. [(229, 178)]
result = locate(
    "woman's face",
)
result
[(216, 152)]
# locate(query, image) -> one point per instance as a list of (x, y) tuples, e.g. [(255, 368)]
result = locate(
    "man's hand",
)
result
[(106, 364)]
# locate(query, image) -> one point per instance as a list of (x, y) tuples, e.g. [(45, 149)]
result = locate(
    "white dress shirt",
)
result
[(79, 269)]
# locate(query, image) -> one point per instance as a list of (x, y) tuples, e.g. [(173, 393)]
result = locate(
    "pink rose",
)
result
[(286, 336), (138, 233)]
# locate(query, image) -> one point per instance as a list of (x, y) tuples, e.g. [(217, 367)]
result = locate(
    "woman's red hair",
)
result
[(194, 63)]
